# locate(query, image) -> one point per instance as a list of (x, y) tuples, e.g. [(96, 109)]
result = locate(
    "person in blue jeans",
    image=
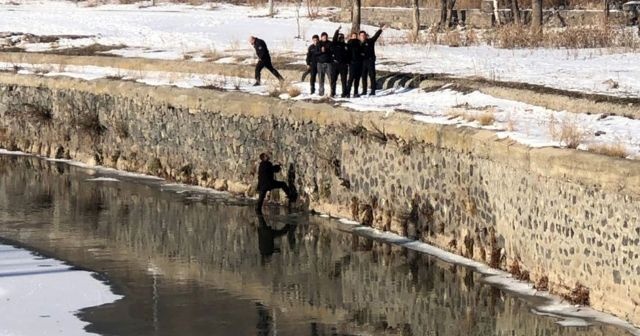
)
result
[(324, 59)]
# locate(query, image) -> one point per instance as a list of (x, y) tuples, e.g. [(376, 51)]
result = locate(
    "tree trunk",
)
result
[(605, 18), (271, 10), (356, 16), (443, 14), (299, 4), (496, 14), (416, 20), (515, 9), (536, 16), (450, 5)]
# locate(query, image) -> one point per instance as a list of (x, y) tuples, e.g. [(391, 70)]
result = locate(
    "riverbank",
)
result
[(565, 217)]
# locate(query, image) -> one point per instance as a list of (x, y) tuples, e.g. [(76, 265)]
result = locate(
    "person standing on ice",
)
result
[(369, 59), (355, 65), (312, 63), (340, 63), (267, 181), (264, 59)]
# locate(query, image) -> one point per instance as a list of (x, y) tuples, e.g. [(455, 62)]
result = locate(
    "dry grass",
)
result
[(519, 36), (212, 54), (293, 91), (618, 150), (567, 131), (486, 118)]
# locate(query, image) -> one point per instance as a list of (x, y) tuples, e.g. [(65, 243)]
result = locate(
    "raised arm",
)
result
[(335, 35), (375, 36)]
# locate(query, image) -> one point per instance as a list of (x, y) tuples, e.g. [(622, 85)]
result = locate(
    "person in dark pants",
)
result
[(264, 59), (355, 65), (325, 60), (267, 181), (369, 59), (312, 63), (340, 63)]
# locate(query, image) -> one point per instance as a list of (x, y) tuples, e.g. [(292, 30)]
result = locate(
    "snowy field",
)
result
[(172, 31), (37, 298), (530, 125)]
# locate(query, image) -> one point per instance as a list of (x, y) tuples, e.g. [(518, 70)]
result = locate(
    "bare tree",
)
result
[(450, 11), (271, 9), (536, 16), (416, 20), (605, 18), (443, 14), (496, 14), (356, 15), (515, 9), (298, 6)]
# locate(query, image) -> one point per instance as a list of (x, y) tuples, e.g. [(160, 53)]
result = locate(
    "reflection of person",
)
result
[(264, 59), (267, 236), (267, 182)]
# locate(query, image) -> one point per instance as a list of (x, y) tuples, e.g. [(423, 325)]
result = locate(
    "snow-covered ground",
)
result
[(531, 125), (171, 31), (40, 296)]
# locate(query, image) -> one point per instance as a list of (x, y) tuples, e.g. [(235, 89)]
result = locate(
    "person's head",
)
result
[(315, 39), (264, 157), (252, 40), (362, 35), (324, 37), (354, 36), (340, 37)]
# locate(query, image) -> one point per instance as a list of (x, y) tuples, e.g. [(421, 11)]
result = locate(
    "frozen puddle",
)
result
[(41, 295)]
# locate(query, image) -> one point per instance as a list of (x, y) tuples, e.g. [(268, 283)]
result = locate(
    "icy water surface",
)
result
[(193, 263)]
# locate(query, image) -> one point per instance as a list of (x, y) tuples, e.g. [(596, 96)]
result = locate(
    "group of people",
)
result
[(353, 61)]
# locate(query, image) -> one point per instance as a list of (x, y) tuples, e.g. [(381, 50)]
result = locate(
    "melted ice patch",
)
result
[(36, 295)]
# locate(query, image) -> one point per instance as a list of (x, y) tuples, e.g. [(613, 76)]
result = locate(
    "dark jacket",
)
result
[(355, 51), (326, 55), (312, 57), (339, 49), (266, 173), (261, 49), (369, 46)]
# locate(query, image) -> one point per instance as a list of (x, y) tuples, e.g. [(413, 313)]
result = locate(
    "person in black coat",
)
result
[(267, 181), (264, 59), (340, 63), (312, 63), (325, 61), (355, 65), (369, 59)]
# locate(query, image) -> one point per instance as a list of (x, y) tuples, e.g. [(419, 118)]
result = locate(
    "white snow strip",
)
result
[(37, 297), (569, 315), (531, 125), (103, 179)]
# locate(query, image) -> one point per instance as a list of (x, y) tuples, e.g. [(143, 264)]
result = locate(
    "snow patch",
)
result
[(37, 297)]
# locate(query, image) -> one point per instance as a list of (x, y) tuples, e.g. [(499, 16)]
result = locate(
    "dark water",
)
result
[(200, 264)]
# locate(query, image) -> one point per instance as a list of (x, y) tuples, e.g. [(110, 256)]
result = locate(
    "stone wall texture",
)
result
[(567, 216)]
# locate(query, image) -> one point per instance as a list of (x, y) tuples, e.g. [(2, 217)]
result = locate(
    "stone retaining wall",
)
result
[(565, 215)]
